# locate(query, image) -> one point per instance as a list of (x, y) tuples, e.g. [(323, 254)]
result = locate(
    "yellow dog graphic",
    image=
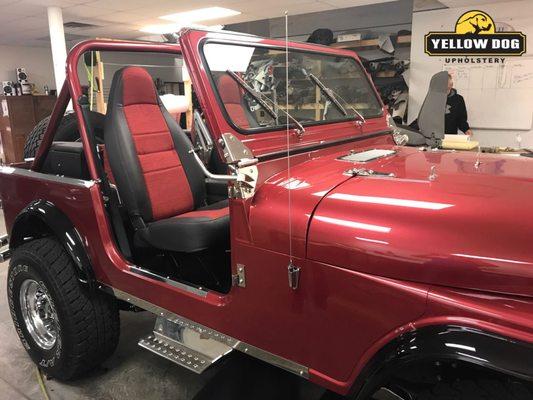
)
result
[(475, 22)]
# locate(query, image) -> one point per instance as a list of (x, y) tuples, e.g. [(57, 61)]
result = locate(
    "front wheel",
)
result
[(65, 328), (452, 380)]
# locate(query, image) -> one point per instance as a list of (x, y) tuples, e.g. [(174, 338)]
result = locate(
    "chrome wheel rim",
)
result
[(38, 313)]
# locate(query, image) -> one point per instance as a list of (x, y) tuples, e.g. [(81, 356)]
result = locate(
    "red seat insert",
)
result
[(231, 96), (159, 161)]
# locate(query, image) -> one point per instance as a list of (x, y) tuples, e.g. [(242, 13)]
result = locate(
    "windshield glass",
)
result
[(263, 70)]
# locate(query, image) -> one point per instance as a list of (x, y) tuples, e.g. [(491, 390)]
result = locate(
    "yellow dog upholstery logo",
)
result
[(475, 35), (475, 22)]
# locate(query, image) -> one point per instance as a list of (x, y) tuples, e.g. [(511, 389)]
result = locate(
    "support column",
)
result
[(57, 41)]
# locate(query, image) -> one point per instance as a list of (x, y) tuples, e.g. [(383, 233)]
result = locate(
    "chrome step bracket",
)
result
[(184, 345)]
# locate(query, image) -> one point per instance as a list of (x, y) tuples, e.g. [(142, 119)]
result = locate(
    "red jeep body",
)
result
[(421, 262)]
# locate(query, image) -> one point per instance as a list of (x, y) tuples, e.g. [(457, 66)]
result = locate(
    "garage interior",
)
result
[(388, 36)]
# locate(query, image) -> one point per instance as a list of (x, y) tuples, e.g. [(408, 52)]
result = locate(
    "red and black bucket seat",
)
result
[(232, 96), (160, 184)]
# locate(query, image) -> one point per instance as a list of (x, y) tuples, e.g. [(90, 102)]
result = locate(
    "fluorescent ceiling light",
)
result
[(201, 14), (171, 28)]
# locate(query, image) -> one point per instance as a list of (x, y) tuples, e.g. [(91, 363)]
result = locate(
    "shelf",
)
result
[(369, 43)]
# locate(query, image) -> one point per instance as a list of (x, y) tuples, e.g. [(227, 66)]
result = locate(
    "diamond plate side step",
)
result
[(178, 354), (184, 346)]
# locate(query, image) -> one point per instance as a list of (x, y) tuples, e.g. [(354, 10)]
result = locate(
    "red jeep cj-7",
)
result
[(289, 225)]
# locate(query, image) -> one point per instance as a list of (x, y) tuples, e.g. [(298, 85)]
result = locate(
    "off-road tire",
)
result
[(88, 321), (455, 380), (66, 132)]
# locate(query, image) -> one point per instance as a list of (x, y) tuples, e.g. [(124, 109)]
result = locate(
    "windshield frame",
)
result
[(252, 131)]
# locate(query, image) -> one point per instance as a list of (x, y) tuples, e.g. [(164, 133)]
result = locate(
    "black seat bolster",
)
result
[(122, 155), (190, 232), (183, 145)]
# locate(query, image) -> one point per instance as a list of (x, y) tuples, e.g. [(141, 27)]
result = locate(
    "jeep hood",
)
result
[(467, 226)]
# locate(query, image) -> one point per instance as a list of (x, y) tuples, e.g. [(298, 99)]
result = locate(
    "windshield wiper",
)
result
[(262, 101), (253, 93), (332, 96)]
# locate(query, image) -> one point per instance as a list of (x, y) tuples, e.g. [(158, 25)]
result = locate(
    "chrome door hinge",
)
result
[(239, 279), (5, 252), (294, 275)]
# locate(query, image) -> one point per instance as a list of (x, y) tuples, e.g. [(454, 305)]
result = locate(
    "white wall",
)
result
[(518, 13), (386, 17), (36, 60)]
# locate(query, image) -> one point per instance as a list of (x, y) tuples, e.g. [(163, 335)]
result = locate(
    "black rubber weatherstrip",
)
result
[(305, 149)]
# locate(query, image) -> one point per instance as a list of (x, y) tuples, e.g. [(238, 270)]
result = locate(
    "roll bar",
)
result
[(71, 90)]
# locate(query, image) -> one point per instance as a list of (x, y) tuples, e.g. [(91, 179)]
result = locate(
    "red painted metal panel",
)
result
[(312, 176), (467, 228)]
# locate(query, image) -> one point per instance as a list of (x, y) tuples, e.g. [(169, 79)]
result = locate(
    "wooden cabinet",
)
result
[(18, 117)]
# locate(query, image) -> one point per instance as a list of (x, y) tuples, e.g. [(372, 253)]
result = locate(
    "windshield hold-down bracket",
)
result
[(368, 172)]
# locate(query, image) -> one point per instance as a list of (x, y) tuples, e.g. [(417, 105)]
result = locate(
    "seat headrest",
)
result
[(137, 86), (432, 113), (229, 90)]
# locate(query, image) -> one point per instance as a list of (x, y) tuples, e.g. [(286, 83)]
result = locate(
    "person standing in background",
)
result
[(456, 117)]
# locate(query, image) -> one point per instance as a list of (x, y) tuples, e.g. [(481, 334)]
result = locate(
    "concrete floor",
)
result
[(134, 373)]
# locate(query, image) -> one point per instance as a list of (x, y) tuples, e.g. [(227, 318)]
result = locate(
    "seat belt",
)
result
[(107, 191)]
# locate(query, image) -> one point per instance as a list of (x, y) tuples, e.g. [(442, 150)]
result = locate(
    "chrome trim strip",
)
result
[(7, 170), (273, 359), (256, 352), (149, 274)]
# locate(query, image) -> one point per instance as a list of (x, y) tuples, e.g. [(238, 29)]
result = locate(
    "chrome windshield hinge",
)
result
[(239, 279), (242, 164), (294, 275)]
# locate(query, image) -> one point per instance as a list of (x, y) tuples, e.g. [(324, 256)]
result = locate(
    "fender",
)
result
[(41, 218), (447, 343)]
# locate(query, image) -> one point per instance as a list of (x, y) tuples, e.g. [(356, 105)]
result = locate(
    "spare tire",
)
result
[(66, 132)]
